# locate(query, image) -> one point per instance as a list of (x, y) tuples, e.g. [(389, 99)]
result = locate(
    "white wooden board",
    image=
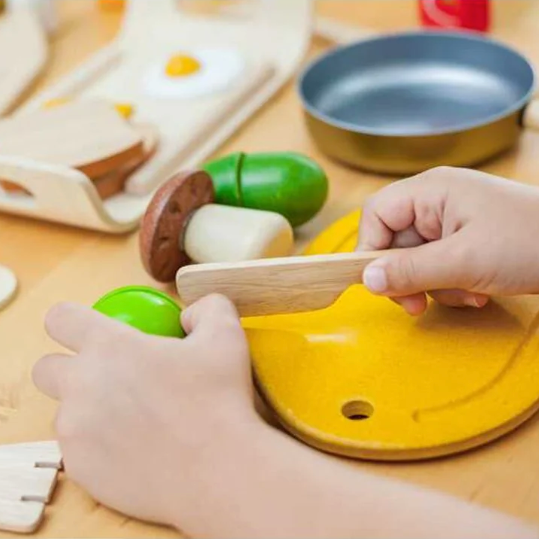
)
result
[(28, 476), (25, 53), (20, 517)]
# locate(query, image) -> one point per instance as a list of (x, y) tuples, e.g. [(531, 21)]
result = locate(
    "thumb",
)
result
[(433, 266), (213, 316), (215, 330)]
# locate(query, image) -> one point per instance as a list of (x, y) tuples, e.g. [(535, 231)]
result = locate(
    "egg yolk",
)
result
[(51, 103), (181, 65), (124, 109)]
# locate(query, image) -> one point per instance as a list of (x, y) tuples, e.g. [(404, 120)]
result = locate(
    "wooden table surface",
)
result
[(57, 263)]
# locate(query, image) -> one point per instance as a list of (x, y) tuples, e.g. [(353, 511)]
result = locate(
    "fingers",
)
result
[(74, 325), (415, 203), (432, 266), (50, 374), (390, 210), (406, 239), (414, 305), (374, 234), (211, 317), (459, 298)]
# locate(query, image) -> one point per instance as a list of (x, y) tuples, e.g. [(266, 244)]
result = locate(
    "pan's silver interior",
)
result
[(417, 84)]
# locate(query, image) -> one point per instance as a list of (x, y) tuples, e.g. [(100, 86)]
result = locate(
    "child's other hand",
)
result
[(465, 236), (165, 430), (143, 421)]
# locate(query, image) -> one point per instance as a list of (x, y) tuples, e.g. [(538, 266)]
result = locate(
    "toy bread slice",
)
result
[(113, 182), (87, 135)]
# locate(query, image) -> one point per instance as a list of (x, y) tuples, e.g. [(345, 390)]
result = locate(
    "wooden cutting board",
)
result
[(86, 135), (364, 379)]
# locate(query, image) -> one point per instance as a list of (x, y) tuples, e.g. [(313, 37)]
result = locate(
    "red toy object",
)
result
[(466, 14)]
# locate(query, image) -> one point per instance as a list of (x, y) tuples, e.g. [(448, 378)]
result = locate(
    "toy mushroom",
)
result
[(182, 224)]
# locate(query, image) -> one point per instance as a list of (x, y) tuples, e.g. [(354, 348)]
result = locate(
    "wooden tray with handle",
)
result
[(268, 44)]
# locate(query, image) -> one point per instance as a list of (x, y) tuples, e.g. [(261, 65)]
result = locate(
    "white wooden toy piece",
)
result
[(265, 48), (44, 9), (218, 233), (28, 475), (25, 53), (8, 286)]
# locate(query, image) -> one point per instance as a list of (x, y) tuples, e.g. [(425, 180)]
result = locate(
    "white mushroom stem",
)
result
[(218, 233)]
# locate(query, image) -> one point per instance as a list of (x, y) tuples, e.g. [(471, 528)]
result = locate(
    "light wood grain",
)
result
[(276, 285), (32, 485), (20, 516), (21, 33), (36, 454), (57, 263), (28, 476)]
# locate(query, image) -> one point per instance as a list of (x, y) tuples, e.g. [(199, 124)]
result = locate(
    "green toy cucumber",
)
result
[(283, 182), (144, 308)]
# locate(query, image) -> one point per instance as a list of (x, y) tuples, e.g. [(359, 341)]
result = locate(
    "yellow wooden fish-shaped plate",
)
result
[(363, 379)]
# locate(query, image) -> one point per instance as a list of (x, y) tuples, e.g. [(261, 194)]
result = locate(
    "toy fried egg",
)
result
[(195, 73)]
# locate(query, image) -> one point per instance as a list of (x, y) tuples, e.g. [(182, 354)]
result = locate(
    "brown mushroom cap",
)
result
[(166, 219)]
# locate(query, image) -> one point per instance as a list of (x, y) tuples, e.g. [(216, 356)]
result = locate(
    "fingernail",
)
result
[(475, 302), (375, 279)]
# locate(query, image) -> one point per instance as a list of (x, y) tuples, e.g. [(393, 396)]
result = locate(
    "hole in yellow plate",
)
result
[(357, 410)]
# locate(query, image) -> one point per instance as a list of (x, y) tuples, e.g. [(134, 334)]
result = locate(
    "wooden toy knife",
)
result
[(276, 285)]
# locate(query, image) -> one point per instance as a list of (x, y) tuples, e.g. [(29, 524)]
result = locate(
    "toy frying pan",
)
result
[(362, 378), (405, 102)]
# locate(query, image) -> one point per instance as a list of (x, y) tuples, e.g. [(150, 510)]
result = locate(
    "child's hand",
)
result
[(165, 430), (467, 235), (144, 421)]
